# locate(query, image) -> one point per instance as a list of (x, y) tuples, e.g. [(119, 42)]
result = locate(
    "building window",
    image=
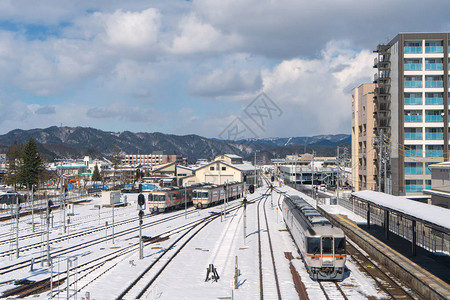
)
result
[(413, 64), (211, 168), (413, 47), (433, 64), (434, 133), (434, 81), (413, 168), (414, 185), (434, 151), (413, 133), (434, 46), (413, 81), (434, 98), (413, 98), (224, 168), (413, 150), (428, 184), (433, 116), (413, 116)]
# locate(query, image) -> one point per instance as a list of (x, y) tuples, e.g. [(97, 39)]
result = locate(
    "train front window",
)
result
[(313, 245), (194, 194), (339, 245), (327, 245), (159, 198)]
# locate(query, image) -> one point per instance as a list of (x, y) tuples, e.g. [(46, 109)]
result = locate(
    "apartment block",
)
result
[(151, 159), (363, 137), (412, 109)]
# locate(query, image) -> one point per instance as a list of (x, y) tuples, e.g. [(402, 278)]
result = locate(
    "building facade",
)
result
[(411, 102), (440, 184), (363, 153), (151, 159)]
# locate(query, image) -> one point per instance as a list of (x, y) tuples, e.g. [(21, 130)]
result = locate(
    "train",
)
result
[(210, 195), (321, 244), (162, 199)]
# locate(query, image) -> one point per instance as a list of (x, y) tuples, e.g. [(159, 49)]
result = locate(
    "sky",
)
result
[(220, 69)]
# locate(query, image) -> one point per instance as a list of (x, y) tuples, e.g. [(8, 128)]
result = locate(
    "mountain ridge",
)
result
[(64, 142)]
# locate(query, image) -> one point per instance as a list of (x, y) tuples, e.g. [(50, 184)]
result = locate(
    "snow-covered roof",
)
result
[(232, 156), (241, 167), (427, 213)]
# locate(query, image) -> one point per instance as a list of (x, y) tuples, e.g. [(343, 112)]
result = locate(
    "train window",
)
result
[(327, 245), (150, 197), (313, 245), (159, 198), (194, 194), (339, 245)]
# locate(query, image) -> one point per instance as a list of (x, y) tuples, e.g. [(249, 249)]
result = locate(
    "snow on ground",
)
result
[(219, 244)]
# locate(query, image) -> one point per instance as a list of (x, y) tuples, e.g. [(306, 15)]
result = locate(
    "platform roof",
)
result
[(434, 216)]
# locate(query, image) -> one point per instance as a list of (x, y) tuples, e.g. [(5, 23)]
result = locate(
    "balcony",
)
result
[(434, 118), (434, 83), (415, 118), (409, 49), (413, 84), (413, 67), (434, 67), (413, 101), (413, 135), (434, 153), (413, 153), (434, 135), (434, 49), (434, 101), (413, 171), (413, 188)]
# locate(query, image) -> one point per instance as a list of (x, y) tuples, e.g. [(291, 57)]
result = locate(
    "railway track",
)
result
[(99, 266), (65, 251), (379, 274), (143, 282), (91, 266), (267, 271)]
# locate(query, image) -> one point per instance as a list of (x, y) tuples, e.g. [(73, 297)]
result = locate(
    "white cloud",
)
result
[(197, 36), (133, 30), (315, 94), (220, 83)]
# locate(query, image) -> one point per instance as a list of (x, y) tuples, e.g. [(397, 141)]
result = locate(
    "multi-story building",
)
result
[(411, 101), (151, 159), (363, 137)]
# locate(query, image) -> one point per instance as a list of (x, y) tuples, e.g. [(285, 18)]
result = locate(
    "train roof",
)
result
[(315, 222)]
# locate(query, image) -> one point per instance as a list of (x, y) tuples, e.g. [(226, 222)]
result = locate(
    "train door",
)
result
[(327, 251)]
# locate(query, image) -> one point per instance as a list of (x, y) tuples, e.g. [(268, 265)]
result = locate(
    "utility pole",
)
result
[(185, 202), (338, 161), (245, 218), (113, 221), (32, 206), (256, 178), (49, 204), (380, 156), (17, 225), (312, 175)]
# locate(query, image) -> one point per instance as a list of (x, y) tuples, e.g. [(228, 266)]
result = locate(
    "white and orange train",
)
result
[(163, 199), (210, 195), (321, 244)]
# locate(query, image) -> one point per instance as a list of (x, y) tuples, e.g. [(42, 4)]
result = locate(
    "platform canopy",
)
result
[(433, 216)]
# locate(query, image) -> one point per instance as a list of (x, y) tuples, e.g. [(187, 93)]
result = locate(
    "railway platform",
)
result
[(418, 271)]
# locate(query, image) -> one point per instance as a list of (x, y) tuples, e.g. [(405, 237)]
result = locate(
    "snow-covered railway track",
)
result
[(268, 278), (385, 282)]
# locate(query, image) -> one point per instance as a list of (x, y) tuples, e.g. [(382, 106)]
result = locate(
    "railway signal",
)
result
[(245, 217), (251, 188), (141, 203)]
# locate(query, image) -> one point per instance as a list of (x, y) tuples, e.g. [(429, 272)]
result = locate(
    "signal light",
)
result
[(272, 178), (251, 188), (141, 200)]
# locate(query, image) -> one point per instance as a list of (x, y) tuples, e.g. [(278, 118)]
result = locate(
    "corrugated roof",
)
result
[(428, 213)]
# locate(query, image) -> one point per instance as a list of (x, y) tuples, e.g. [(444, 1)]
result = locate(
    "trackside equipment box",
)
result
[(110, 198)]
